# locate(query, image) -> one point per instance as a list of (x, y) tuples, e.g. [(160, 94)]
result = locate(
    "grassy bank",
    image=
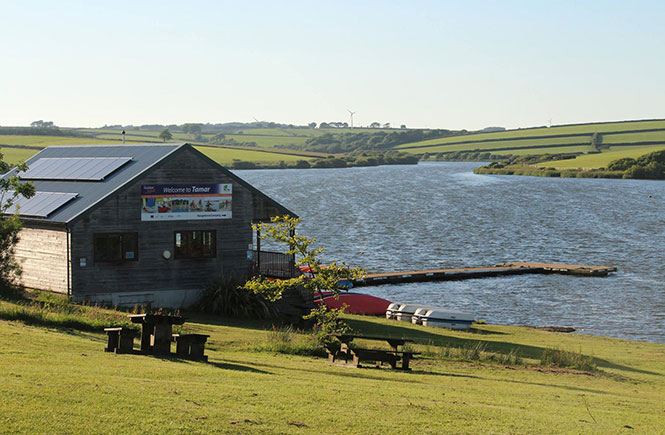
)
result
[(59, 378)]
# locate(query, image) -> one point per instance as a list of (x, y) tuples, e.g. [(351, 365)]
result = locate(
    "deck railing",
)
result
[(274, 264)]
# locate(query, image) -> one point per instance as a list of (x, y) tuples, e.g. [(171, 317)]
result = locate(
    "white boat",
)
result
[(405, 312), (442, 318), (392, 308)]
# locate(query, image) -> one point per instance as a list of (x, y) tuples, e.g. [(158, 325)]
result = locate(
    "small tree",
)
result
[(319, 278), (165, 135), (10, 225)]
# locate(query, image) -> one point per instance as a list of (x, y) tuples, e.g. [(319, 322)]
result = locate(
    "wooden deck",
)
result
[(518, 268)]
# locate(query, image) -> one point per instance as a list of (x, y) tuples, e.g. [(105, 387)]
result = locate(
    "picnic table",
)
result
[(348, 352), (156, 331), (156, 337)]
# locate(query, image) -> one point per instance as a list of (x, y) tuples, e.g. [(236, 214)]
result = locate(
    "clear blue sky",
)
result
[(462, 64)]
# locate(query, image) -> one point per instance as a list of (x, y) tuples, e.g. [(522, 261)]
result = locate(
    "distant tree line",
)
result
[(378, 140), (346, 161)]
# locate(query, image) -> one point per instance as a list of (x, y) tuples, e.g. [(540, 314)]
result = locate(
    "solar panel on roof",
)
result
[(74, 168), (41, 204)]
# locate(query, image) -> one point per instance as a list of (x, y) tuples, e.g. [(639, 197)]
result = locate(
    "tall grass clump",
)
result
[(566, 359), (287, 340), (474, 352), (54, 310)]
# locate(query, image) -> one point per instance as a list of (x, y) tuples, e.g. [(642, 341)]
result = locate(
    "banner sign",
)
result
[(185, 201)]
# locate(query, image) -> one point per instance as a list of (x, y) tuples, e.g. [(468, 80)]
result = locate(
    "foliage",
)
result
[(10, 226), (282, 229), (378, 140), (621, 164), (193, 129), (227, 297), (328, 321), (165, 135)]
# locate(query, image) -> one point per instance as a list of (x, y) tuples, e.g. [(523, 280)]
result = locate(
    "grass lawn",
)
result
[(60, 380), (15, 155), (49, 140), (562, 130), (225, 156), (594, 161), (502, 144)]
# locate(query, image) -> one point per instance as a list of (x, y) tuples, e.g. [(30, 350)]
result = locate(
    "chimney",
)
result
[(123, 137)]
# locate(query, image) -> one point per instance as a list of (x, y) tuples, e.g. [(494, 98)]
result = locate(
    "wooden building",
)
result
[(136, 224)]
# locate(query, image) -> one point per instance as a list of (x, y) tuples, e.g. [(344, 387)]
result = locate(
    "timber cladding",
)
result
[(121, 213), (42, 253)]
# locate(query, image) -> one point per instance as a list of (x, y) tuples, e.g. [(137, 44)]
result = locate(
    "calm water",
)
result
[(442, 215)]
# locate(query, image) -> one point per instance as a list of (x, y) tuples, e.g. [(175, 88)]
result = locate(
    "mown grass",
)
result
[(225, 156), (268, 141), (500, 144), (49, 140), (650, 136), (15, 155), (594, 161), (59, 380)]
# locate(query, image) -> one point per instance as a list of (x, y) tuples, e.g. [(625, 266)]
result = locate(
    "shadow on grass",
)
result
[(219, 365), (424, 337)]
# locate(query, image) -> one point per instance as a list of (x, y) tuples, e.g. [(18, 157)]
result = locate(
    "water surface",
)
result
[(435, 215)]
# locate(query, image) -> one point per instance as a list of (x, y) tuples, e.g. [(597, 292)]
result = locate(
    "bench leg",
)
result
[(126, 343), (113, 341), (147, 331), (182, 348), (356, 361), (196, 351), (162, 345), (405, 362)]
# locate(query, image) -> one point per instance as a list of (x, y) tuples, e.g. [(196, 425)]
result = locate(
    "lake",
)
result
[(436, 215)]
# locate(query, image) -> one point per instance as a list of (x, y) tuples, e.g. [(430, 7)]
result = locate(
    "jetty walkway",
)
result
[(518, 268)]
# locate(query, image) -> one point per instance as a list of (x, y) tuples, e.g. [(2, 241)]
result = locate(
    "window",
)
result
[(116, 247), (195, 244)]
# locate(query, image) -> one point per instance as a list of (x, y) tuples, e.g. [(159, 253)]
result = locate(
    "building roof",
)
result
[(89, 174)]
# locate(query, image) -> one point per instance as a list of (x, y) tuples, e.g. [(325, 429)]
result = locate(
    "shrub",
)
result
[(226, 297)]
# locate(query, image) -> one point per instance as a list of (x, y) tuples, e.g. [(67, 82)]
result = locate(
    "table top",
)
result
[(156, 318), (350, 337)]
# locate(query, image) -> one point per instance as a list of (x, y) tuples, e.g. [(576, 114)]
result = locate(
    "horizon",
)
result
[(426, 65)]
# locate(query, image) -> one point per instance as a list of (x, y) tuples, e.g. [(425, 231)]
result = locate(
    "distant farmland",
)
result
[(601, 141)]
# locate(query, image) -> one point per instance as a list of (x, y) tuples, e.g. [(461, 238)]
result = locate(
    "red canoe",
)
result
[(358, 303)]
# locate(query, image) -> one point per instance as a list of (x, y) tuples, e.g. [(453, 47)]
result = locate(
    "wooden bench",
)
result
[(120, 340), (346, 352), (191, 346)]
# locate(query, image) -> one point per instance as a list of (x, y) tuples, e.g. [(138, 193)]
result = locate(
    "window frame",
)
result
[(177, 252), (122, 247)]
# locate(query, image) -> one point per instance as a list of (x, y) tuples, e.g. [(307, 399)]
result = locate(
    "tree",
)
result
[(42, 124), (375, 125), (193, 129), (403, 126), (282, 229), (165, 135), (312, 125), (10, 190)]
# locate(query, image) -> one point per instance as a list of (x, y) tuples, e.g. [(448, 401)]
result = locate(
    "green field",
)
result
[(595, 161), (225, 156), (499, 144), (60, 381), (49, 140)]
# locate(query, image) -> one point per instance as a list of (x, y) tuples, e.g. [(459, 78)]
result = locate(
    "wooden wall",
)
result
[(42, 252), (122, 213)]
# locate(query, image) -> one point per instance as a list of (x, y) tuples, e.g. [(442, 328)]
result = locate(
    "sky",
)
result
[(428, 64)]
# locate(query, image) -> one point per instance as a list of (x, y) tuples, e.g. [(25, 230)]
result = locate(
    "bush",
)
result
[(226, 297)]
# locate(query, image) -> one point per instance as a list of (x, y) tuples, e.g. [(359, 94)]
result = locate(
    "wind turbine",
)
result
[(351, 113)]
